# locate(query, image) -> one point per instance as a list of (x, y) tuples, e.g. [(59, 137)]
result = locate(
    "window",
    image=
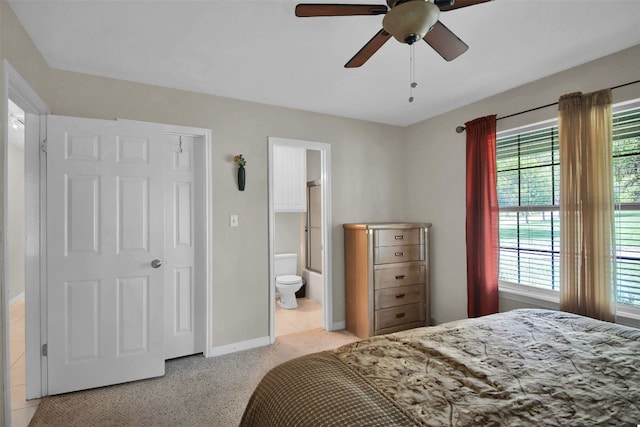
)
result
[(528, 195), (626, 196)]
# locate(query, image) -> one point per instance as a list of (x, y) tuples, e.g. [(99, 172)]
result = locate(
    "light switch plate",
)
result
[(233, 220)]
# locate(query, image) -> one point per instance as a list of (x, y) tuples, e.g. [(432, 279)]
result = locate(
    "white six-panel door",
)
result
[(105, 226), (183, 211)]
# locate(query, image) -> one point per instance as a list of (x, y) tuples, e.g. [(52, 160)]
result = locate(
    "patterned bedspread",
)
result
[(520, 368)]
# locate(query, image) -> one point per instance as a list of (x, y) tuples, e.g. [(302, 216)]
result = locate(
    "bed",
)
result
[(519, 368)]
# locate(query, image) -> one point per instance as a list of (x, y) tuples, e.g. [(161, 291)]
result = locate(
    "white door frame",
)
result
[(20, 92), (325, 177)]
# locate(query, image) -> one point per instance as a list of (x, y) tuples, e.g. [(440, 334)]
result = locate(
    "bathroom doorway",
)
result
[(290, 232)]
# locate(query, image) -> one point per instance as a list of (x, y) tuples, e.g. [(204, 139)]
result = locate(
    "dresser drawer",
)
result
[(401, 295), (391, 277), (398, 237), (394, 316), (391, 254)]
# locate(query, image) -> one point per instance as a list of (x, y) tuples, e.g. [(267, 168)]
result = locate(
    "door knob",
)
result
[(157, 263)]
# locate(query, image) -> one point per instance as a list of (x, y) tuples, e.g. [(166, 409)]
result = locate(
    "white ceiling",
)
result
[(259, 51)]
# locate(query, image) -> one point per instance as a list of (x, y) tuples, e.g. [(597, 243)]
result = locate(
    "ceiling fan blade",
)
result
[(368, 49), (327, 9), (443, 41), (460, 3)]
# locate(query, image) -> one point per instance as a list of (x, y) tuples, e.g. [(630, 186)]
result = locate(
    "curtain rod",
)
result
[(461, 129)]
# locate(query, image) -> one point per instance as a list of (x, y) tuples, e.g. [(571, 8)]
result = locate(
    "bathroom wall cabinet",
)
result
[(289, 179), (386, 277)]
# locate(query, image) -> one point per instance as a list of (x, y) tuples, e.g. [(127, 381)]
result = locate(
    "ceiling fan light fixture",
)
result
[(411, 21)]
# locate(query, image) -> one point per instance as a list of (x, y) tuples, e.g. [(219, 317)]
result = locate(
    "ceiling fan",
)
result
[(406, 20)]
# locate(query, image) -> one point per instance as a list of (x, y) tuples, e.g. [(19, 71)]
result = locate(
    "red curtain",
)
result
[(482, 218)]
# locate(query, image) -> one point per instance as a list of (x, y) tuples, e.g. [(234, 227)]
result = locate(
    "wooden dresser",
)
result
[(386, 277)]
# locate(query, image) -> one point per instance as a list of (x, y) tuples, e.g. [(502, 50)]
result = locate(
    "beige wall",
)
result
[(238, 127), (379, 172), (314, 165), (509, 304), (242, 127), (436, 163)]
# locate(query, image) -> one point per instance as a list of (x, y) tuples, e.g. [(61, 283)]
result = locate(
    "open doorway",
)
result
[(289, 236), (20, 281), (298, 242), (21, 409)]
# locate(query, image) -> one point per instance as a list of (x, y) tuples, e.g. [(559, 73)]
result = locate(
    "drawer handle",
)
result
[(400, 277), (399, 237), (399, 253), (399, 315), (400, 296)]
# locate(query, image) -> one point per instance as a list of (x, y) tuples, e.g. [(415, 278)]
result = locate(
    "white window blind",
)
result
[(626, 196), (528, 196)]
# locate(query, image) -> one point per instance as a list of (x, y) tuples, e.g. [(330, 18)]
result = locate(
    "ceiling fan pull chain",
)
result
[(412, 72)]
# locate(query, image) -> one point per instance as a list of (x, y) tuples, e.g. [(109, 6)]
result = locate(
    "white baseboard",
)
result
[(238, 346), (254, 343), (338, 326)]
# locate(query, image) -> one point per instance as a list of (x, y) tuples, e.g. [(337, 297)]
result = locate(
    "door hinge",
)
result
[(44, 349), (43, 146)]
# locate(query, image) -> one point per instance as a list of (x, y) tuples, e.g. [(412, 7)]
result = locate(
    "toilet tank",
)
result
[(286, 264)]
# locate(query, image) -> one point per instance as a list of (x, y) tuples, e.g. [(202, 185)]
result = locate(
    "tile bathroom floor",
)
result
[(307, 316), (21, 410)]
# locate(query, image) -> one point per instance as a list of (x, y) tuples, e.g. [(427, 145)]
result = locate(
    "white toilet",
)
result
[(287, 282)]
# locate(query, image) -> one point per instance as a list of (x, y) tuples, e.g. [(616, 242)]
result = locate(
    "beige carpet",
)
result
[(195, 391)]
